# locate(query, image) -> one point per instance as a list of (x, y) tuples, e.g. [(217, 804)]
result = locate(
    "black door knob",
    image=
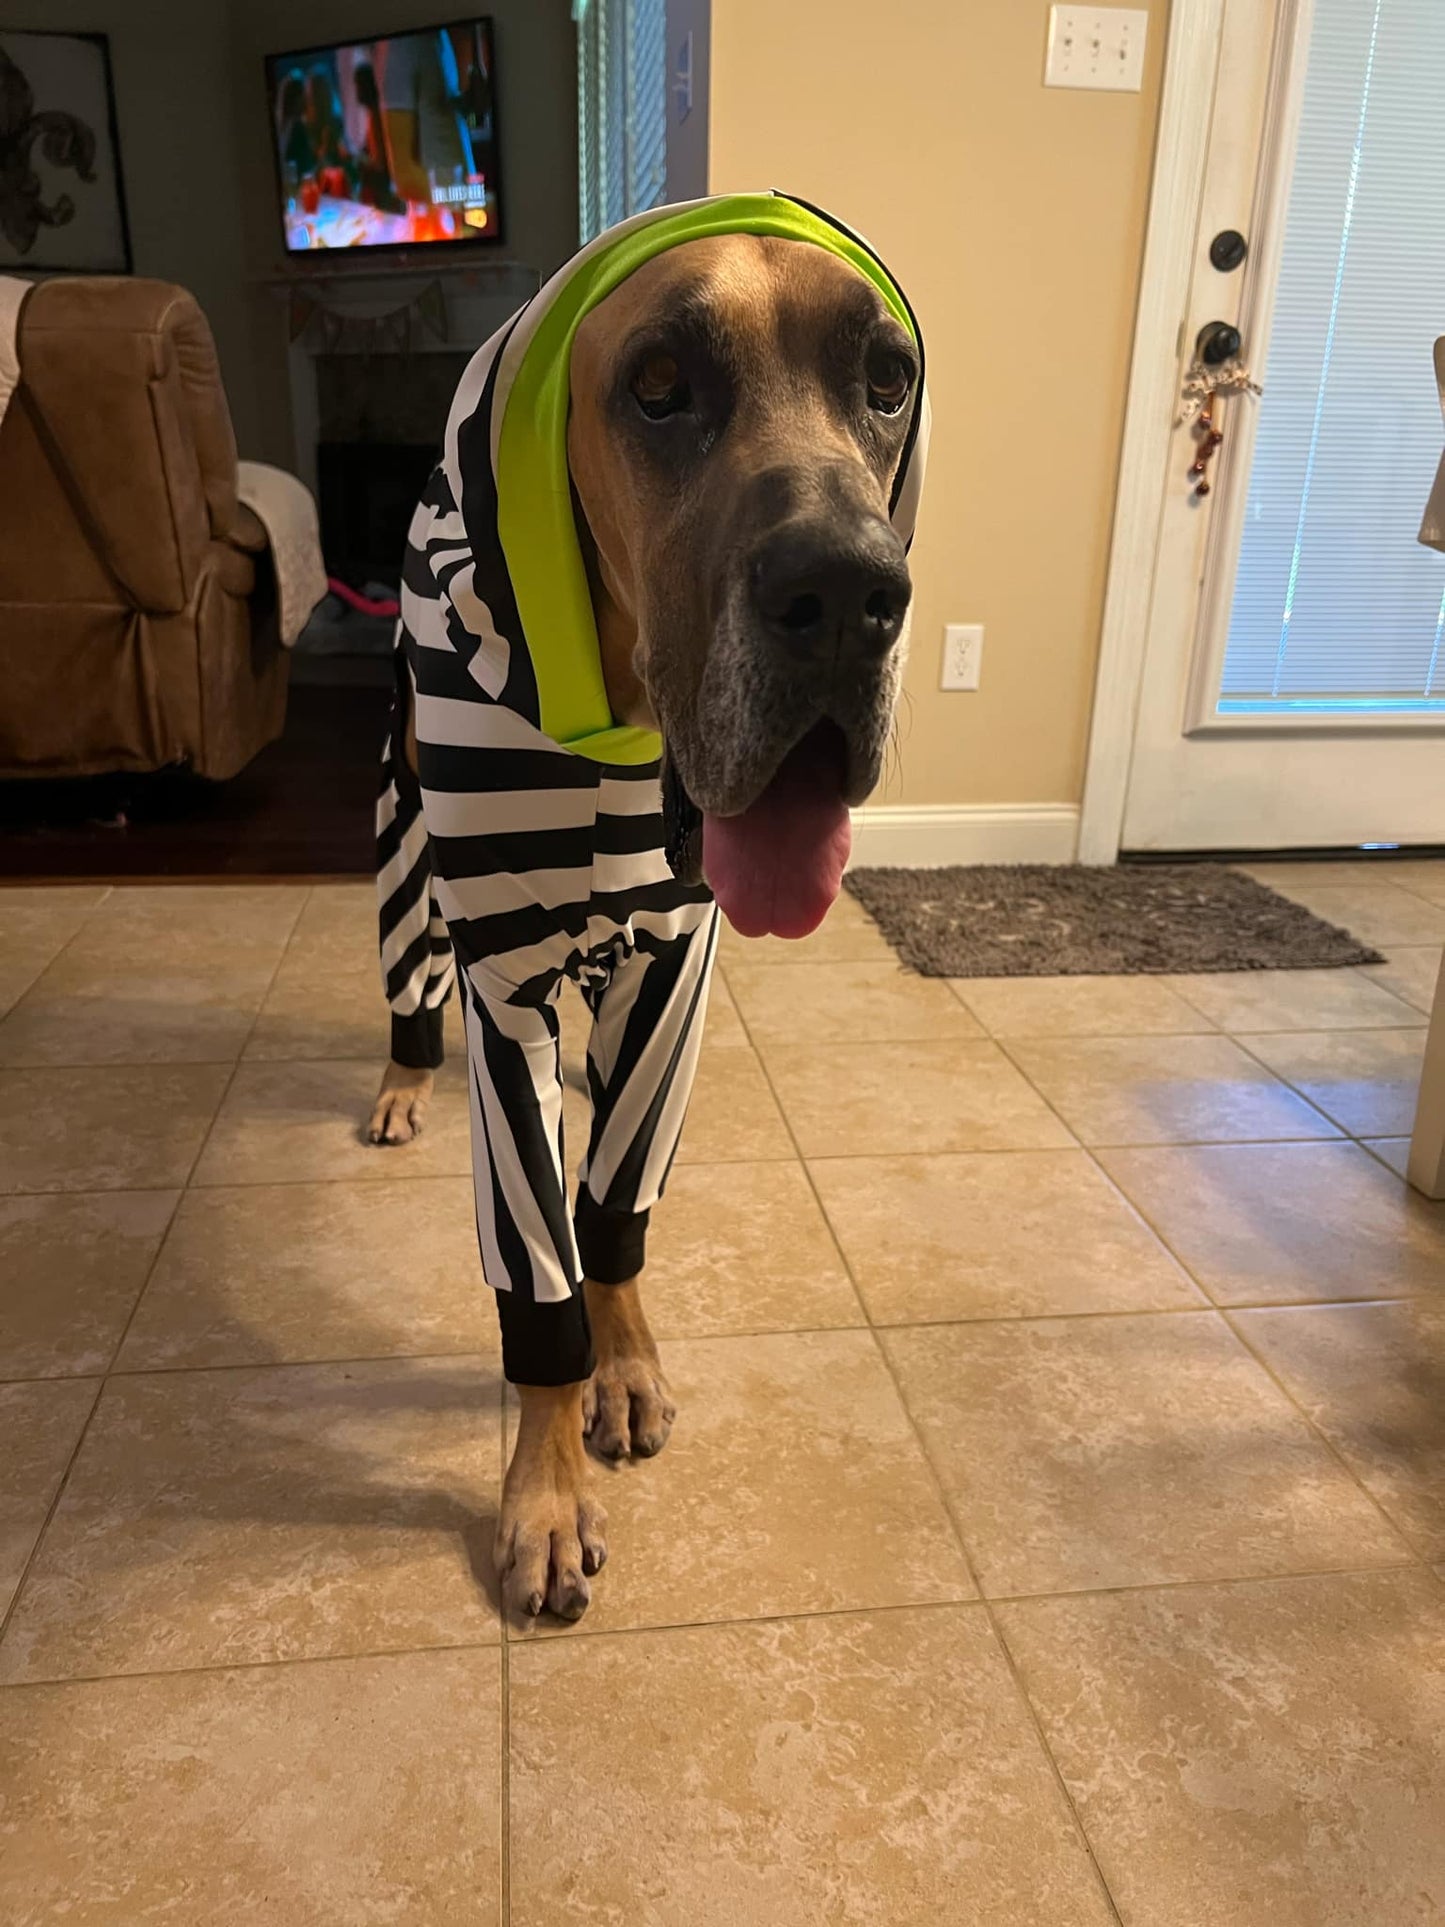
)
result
[(1216, 342), (1227, 250)]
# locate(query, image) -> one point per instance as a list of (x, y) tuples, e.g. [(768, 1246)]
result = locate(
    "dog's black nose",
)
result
[(831, 594)]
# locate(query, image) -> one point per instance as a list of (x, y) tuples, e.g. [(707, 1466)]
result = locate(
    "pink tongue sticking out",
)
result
[(776, 869)]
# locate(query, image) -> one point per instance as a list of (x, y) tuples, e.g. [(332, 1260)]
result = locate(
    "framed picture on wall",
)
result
[(61, 202)]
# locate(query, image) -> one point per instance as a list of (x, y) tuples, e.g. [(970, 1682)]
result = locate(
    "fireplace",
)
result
[(370, 404), (380, 422)]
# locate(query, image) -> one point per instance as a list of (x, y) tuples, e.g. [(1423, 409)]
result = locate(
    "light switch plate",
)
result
[(1097, 47)]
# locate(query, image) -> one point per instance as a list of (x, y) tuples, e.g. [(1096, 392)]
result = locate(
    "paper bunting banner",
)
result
[(431, 305), (302, 309), (390, 332)]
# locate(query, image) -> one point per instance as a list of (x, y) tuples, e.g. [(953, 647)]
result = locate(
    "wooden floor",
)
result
[(303, 808)]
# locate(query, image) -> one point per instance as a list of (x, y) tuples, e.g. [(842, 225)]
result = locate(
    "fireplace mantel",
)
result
[(475, 299)]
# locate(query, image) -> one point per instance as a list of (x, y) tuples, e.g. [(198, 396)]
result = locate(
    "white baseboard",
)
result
[(926, 836)]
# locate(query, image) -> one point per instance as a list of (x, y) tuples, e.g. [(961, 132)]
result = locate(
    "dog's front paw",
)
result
[(401, 1105), (552, 1533), (627, 1409)]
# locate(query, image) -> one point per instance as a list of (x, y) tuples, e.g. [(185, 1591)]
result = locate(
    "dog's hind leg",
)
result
[(417, 966)]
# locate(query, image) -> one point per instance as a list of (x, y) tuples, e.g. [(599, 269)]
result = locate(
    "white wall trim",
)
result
[(1191, 64), (926, 836)]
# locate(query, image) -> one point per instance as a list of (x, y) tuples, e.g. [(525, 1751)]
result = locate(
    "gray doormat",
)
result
[(1041, 920)]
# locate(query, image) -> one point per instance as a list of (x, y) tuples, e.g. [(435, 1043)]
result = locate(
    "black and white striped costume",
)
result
[(528, 848)]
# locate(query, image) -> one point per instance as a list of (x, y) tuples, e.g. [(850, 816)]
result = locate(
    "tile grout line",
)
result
[(874, 1329), (881, 1353), (1340, 1136), (802, 1163), (217, 1667), (1224, 1312), (582, 1630), (144, 1063), (1367, 1145), (1293, 1404), (469, 1354), (1406, 1539), (1210, 1304), (1239, 1337), (322, 1361), (106, 894), (1301, 1093), (566, 1635), (1026, 1699), (8, 1617)]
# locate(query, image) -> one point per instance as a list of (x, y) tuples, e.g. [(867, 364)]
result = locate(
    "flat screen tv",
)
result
[(389, 142)]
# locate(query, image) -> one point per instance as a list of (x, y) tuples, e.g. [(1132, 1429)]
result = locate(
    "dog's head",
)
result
[(740, 406)]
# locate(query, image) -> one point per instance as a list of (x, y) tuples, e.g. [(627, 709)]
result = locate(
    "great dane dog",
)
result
[(653, 610)]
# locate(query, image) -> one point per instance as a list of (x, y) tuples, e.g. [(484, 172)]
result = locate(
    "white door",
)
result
[(1293, 683)]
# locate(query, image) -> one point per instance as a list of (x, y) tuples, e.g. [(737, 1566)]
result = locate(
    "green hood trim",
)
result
[(534, 497)]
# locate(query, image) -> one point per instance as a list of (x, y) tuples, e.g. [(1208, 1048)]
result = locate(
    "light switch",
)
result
[(1099, 47)]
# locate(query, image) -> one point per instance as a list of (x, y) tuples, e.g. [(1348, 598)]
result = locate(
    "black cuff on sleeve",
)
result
[(545, 1344), (416, 1041), (611, 1244)]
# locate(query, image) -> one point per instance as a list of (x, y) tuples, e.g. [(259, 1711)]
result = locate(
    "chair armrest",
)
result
[(247, 530)]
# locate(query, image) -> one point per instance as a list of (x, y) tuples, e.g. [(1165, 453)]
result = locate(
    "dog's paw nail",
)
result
[(534, 1604)]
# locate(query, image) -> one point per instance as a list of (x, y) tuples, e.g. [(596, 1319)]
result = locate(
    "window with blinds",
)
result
[(1336, 608), (621, 109)]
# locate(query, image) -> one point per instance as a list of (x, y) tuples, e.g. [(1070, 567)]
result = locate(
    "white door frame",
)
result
[(1191, 66)]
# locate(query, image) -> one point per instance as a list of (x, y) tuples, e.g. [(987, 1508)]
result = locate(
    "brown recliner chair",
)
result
[(137, 605)]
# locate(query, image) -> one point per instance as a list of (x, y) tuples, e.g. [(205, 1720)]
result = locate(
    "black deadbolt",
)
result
[(1216, 342), (1228, 249)]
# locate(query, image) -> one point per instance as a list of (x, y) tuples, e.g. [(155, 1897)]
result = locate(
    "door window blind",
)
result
[(621, 109), (647, 103), (1336, 607)]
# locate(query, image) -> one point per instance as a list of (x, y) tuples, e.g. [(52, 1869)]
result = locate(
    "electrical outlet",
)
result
[(962, 655), (1099, 47)]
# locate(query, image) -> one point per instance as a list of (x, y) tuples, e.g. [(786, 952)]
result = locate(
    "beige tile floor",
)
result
[(1053, 1533)]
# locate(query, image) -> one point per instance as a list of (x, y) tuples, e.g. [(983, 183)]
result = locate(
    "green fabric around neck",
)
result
[(534, 498)]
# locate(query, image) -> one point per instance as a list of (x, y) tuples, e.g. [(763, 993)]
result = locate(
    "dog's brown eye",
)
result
[(890, 381), (659, 387)]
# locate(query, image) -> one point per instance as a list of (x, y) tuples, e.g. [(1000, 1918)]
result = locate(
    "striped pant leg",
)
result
[(524, 1228), (646, 1036), (417, 967)]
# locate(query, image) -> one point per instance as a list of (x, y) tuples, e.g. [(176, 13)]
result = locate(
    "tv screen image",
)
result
[(390, 142)]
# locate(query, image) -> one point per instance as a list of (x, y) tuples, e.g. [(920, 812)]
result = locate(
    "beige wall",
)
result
[(1014, 217)]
